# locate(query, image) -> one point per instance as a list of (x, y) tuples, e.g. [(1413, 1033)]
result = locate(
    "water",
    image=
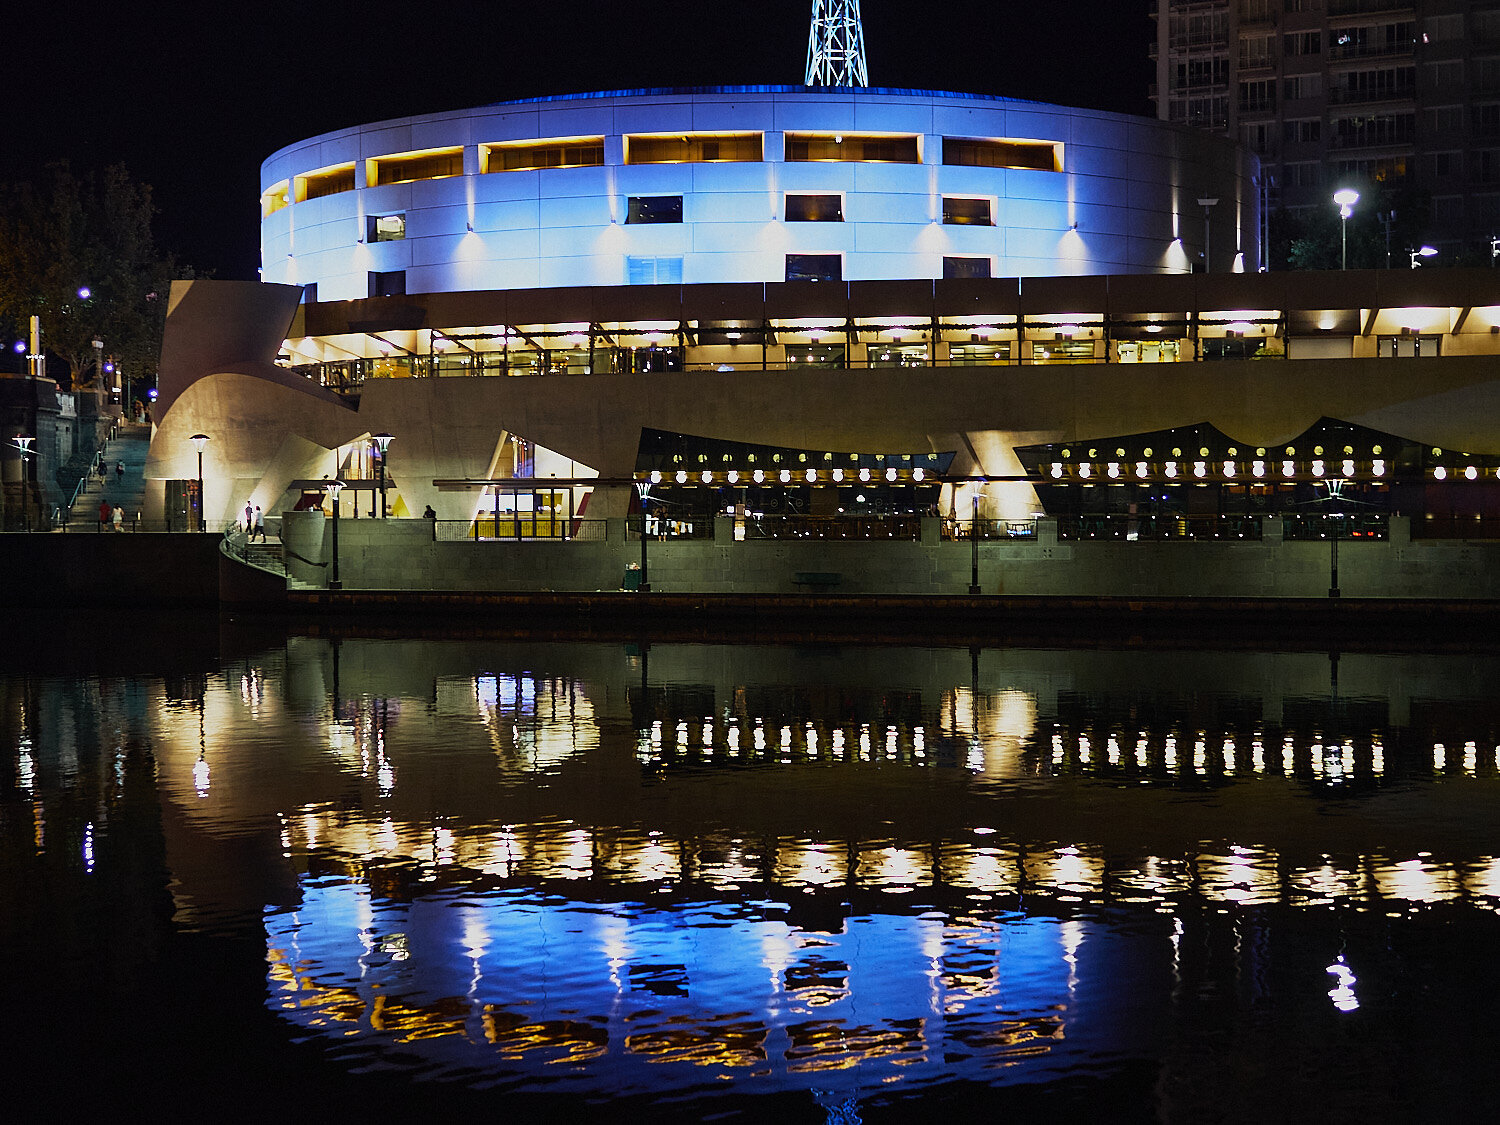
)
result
[(749, 882)]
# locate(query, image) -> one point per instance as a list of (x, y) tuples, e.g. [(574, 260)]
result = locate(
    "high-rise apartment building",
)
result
[(1330, 93)]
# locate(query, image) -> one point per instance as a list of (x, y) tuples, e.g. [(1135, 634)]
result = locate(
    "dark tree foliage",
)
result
[(64, 232), (1390, 219)]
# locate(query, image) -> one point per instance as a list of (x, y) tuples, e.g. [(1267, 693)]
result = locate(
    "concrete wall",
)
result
[(401, 555), (118, 569)]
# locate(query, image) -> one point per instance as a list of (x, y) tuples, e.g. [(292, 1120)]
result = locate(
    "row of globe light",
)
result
[(1259, 469), (788, 476)]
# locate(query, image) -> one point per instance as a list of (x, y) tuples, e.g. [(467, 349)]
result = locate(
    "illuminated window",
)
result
[(653, 271), (386, 228), (326, 181), (1043, 156), (966, 267), (700, 148), (274, 199), (404, 169), (848, 147), (530, 156), (654, 209), (967, 212), (814, 209), (814, 267)]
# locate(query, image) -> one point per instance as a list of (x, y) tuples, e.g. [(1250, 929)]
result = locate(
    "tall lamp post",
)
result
[(1423, 252), (644, 488), (974, 546), (1346, 198), (199, 441), (382, 443), (24, 445), (1207, 203), (334, 487)]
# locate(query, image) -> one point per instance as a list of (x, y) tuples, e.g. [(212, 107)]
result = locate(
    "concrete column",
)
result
[(1399, 531)]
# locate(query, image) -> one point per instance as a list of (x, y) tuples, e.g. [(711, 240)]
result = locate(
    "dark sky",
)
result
[(192, 103)]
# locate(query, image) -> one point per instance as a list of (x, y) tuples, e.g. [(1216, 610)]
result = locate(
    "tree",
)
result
[(78, 252)]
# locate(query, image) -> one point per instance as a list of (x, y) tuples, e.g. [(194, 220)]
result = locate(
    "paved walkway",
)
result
[(127, 490)]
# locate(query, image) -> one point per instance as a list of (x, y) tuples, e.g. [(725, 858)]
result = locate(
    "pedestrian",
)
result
[(119, 470), (249, 519), (118, 517), (428, 513), (260, 524), (100, 468), (104, 512)]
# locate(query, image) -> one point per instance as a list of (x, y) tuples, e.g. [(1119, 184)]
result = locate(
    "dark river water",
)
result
[(342, 876)]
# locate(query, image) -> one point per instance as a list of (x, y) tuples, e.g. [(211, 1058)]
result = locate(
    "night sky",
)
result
[(192, 103)]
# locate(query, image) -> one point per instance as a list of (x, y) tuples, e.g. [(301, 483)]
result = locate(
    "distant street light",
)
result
[(974, 587), (334, 487), (199, 441), (24, 445), (382, 443), (1346, 198), (1207, 203), (1424, 252), (644, 488)]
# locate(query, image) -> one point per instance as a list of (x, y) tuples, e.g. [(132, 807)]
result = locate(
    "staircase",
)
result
[(128, 446)]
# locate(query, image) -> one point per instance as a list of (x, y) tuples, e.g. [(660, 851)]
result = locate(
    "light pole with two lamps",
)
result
[(333, 488), (1346, 198), (382, 443), (644, 488), (24, 445), (199, 441)]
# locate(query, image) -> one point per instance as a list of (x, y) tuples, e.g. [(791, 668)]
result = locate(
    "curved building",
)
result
[(750, 184)]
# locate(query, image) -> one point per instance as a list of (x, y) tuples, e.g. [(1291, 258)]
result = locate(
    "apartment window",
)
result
[(1258, 96), (1446, 74), (1304, 43), (1306, 174), (1212, 70), (392, 283), (385, 228), (409, 167), (1486, 119), (814, 267), (531, 156), (1043, 156), (1302, 132), (814, 208), (654, 209), (653, 271), (1255, 9), (848, 146), (1300, 86), (966, 267), (326, 181), (1486, 165), (1374, 129), (694, 148), (1257, 137), (1436, 29), (1446, 119), (1377, 85), (958, 211), (1255, 51), (1444, 164), (1487, 74)]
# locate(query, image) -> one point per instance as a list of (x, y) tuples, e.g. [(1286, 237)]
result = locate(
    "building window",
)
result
[(409, 167), (966, 267), (1304, 43), (849, 147), (814, 208), (1258, 97), (1043, 156), (1302, 132), (310, 293), (654, 209), (1486, 120), (1300, 86), (653, 271), (967, 212), (274, 199), (326, 181), (531, 156), (699, 148), (1308, 174), (392, 283), (385, 228), (814, 267)]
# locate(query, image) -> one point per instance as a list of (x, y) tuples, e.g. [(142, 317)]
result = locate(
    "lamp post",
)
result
[(334, 487), (24, 445), (1424, 252), (382, 443), (974, 546), (1346, 198), (1207, 203), (199, 441), (644, 488)]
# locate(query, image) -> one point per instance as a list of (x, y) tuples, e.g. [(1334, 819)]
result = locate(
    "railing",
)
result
[(511, 529), (1008, 530), (869, 528), (1456, 527), (1125, 528), (1303, 526), (181, 525)]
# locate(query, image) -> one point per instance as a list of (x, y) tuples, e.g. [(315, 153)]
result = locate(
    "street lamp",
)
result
[(24, 445), (644, 488), (199, 441), (382, 443), (1346, 198), (334, 487), (974, 546), (1207, 203), (1424, 252)]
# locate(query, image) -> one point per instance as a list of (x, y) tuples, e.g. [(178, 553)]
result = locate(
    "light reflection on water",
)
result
[(703, 873)]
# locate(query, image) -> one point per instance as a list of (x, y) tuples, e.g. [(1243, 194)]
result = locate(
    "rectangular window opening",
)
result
[(967, 212), (851, 147), (814, 267), (531, 156), (694, 148), (815, 208), (406, 168), (326, 181), (1042, 156), (386, 228), (654, 209), (966, 267), (391, 283), (653, 271)]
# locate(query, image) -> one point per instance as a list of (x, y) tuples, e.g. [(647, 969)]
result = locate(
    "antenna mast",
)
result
[(836, 45)]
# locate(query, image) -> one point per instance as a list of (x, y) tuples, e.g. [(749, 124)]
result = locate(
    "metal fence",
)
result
[(1155, 528), (1304, 526), (869, 528), (512, 529)]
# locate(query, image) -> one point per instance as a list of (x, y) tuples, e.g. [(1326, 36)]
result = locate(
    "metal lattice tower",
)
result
[(836, 45)]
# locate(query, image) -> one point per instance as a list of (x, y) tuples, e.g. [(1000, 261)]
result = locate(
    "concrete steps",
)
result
[(128, 447)]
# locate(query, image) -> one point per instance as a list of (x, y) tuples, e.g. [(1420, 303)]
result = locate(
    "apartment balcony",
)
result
[(1338, 8), (1401, 95), (1363, 52)]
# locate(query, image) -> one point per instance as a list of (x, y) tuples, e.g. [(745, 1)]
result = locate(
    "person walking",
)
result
[(260, 524), (249, 519), (119, 470), (104, 513), (118, 518)]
